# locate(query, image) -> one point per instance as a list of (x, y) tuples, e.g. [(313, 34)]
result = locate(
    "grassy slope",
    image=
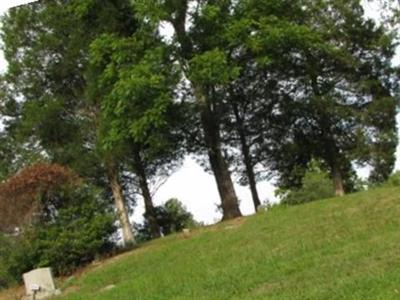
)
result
[(344, 248)]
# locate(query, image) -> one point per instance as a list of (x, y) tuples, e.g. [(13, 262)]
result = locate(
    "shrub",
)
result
[(6, 249), (80, 232), (33, 193), (316, 184), (171, 217), (70, 227), (393, 180)]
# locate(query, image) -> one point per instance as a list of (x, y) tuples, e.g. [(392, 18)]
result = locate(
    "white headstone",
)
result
[(39, 284), (186, 232)]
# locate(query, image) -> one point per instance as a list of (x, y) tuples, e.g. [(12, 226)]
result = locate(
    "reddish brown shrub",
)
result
[(26, 194)]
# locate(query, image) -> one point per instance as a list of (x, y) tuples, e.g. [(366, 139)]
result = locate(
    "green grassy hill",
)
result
[(341, 248)]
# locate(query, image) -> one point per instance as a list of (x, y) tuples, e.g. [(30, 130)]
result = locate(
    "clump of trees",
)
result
[(254, 89)]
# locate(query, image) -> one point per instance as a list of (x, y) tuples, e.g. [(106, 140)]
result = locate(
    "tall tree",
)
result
[(342, 89), (252, 99), (202, 57), (48, 55), (261, 37), (137, 78)]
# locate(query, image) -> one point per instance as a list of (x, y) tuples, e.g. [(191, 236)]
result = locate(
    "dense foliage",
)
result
[(81, 232), (172, 217), (393, 180), (52, 219), (6, 277), (33, 195), (315, 185)]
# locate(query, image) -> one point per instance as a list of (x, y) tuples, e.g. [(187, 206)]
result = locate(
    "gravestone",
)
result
[(39, 284), (186, 232)]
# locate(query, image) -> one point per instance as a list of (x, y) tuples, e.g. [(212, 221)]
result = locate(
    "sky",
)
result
[(5, 4), (195, 188)]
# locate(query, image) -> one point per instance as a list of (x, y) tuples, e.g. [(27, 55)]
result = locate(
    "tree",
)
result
[(49, 76), (341, 106), (201, 54), (262, 35), (14, 156), (253, 99), (137, 79)]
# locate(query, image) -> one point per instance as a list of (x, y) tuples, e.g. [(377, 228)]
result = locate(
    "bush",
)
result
[(316, 185), (81, 231), (6, 249), (393, 180), (171, 217), (34, 194)]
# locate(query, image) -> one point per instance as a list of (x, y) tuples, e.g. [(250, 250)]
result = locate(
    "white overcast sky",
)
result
[(191, 185)]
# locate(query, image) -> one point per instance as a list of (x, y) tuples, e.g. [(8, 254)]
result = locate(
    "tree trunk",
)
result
[(119, 199), (337, 180), (327, 138), (247, 158), (229, 201), (150, 213)]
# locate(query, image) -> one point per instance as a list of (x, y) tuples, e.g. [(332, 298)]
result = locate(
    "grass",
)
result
[(340, 248)]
